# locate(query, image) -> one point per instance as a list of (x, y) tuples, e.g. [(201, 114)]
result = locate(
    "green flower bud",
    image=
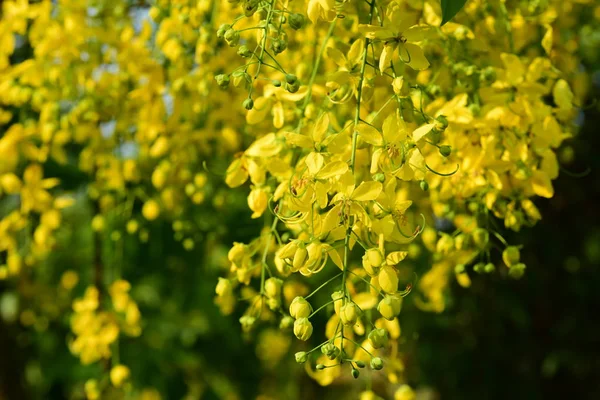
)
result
[(380, 177), (488, 74), (479, 267), (390, 307), (511, 256), (355, 373), (424, 186), (286, 322), (222, 29), (320, 367), (360, 364), (489, 268), (517, 271), (248, 104), (445, 151), (247, 322), (222, 80), (292, 87), (376, 363), (301, 357), (378, 338), (232, 37), (481, 237), (303, 329), (441, 123), (349, 314), (300, 308), (291, 79), (244, 51), (330, 350), (276, 82), (461, 241), (278, 45), (296, 21), (250, 7), (459, 269)]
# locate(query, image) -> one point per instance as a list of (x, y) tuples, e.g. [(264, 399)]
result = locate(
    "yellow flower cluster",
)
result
[(374, 123)]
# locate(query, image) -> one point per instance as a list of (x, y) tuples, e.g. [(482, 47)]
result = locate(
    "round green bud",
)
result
[(301, 357), (223, 81), (511, 256), (250, 7), (286, 322), (276, 82), (380, 177), (488, 74), (278, 46), (355, 373), (330, 350), (291, 79), (232, 37), (459, 268), (517, 271), (378, 338), (479, 267), (244, 51), (424, 186), (489, 268), (376, 363), (320, 367), (222, 29), (248, 104), (441, 123), (360, 364), (481, 237), (296, 21), (445, 151)]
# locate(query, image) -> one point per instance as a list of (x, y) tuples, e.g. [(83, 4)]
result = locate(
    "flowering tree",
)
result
[(385, 147)]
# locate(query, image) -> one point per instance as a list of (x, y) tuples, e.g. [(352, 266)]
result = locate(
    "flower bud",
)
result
[(338, 300), (355, 373), (222, 80), (248, 104), (349, 313), (273, 287), (378, 338), (489, 268), (222, 29), (459, 268), (224, 287), (292, 87), (380, 177), (517, 271), (303, 329), (376, 363), (300, 308), (296, 21), (390, 307), (286, 322), (404, 392), (400, 87), (441, 123), (445, 151), (232, 37), (445, 244), (330, 350), (388, 279), (301, 357), (119, 374), (320, 367), (511, 256), (479, 267), (300, 258), (360, 364), (278, 45), (315, 255), (481, 237), (244, 51), (250, 7), (237, 253), (461, 242), (424, 186), (276, 82), (288, 250), (291, 79), (247, 322)]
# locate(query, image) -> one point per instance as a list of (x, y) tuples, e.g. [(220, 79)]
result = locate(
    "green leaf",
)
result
[(450, 8)]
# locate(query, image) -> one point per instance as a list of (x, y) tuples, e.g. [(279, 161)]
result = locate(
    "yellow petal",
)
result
[(413, 56), (369, 134), (395, 257), (334, 168), (320, 129), (314, 162), (541, 184), (367, 191), (420, 132)]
